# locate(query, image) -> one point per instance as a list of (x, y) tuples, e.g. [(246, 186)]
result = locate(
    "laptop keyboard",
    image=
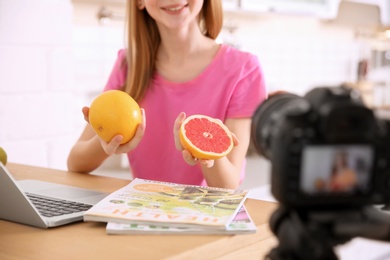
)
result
[(50, 207)]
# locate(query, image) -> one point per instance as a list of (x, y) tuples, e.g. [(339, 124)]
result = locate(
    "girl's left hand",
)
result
[(187, 156)]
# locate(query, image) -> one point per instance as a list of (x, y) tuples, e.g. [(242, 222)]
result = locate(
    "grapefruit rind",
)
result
[(199, 153), (122, 117)]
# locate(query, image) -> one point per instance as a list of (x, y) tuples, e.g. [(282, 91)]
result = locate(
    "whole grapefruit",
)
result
[(206, 137), (114, 112)]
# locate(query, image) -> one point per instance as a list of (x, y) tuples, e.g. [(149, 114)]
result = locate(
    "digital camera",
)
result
[(327, 149)]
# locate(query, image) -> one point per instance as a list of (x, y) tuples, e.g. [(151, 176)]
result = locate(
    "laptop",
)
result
[(43, 204)]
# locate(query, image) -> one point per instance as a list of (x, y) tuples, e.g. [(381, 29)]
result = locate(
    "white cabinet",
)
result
[(231, 5), (386, 13), (383, 6), (370, 2), (327, 9), (319, 8)]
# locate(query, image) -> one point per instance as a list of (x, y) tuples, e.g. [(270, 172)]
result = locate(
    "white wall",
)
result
[(298, 53), (36, 123)]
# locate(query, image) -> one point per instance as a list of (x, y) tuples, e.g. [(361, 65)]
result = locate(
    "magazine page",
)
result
[(153, 202), (241, 224)]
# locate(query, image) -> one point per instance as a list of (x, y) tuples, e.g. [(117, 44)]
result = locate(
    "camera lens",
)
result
[(266, 118)]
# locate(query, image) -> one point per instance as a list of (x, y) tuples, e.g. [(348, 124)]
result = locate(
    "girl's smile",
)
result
[(174, 8)]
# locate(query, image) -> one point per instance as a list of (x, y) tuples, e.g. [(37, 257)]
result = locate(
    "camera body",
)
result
[(327, 149)]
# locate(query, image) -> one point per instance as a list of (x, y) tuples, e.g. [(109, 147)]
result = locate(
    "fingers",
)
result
[(133, 143), (207, 163), (143, 117), (115, 146), (277, 92), (112, 147), (236, 142), (85, 111), (187, 156), (176, 130)]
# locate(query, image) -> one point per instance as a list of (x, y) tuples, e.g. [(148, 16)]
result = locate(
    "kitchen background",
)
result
[(56, 55)]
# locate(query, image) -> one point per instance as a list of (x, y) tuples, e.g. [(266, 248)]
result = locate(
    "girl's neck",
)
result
[(178, 46)]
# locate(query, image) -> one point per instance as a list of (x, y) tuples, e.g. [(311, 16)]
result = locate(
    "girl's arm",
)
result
[(226, 171), (87, 153)]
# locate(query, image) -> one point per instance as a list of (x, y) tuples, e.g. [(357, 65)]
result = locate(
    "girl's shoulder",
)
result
[(236, 61), (238, 57), (117, 77), (122, 53)]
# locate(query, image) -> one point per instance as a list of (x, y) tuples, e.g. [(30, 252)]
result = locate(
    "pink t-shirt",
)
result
[(232, 86)]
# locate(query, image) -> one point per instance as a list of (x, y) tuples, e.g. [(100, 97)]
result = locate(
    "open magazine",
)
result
[(241, 224), (147, 202)]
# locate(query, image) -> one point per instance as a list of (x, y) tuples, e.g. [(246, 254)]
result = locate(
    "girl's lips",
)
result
[(174, 9)]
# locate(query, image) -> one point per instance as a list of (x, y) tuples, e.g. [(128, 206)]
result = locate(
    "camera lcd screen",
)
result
[(336, 169)]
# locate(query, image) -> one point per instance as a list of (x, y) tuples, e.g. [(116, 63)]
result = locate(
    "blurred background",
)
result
[(55, 57)]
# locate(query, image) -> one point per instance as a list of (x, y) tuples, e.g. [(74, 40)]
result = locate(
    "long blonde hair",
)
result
[(143, 40)]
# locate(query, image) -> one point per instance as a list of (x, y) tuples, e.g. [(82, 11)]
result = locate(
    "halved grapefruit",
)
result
[(206, 137)]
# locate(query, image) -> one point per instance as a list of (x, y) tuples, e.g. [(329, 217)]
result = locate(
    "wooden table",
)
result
[(88, 240)]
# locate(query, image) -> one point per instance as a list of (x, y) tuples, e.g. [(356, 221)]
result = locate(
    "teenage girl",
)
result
[(173, 67)]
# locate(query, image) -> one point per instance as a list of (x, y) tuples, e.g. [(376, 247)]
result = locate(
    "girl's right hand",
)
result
[(114, 146)]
